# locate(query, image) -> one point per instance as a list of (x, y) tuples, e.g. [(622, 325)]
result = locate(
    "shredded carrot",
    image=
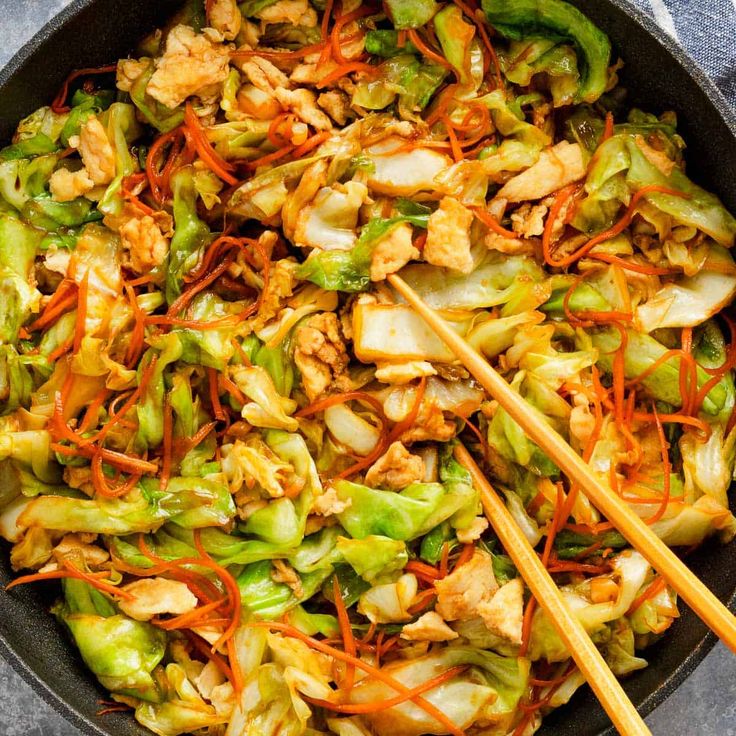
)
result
[(141, 280), (347, 636), (59, 105), (379, 705), (340, 23), (79, 329), (279, 54), (168, 442), (699, 424), (483, 32), (207, 153), (369, 669), (72, 572), (430, 53), (457, 151), (612, 232), (557, 566), (422, 601), (349, 67), (526, 626), (233, 592), (190, 619), (688, 375), (537, 703), (490, 222), (62, 349), (324, 32), (64, 298), (608, 129), (217, 411), (238, 680), (185, 444), (128, 184), (374, 403), (126, 463), (204, 649), (162, 164), (284, 119), (666, 469), (652, 591), (113, 708), (183, 300), (465, 556), (410, 419), (227, 385), (419, 568), (633, 266)]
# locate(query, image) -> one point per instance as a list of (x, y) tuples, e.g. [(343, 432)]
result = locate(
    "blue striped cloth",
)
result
[(707, 31)]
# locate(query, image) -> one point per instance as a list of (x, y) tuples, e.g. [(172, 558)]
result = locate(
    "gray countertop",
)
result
[(704, 706)]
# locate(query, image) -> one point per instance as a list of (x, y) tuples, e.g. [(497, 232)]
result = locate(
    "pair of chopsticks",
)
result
[(688, 586)]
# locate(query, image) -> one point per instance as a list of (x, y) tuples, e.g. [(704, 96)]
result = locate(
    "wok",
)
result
[(658, 75)]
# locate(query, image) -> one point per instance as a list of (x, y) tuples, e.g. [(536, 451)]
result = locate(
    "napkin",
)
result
[(707, 31)]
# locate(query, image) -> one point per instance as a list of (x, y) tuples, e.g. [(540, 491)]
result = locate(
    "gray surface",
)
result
[(705, 705)]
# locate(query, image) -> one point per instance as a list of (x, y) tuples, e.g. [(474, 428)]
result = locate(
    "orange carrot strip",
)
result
[(347, 635), (204, 148), (379, 705), (369, 669)]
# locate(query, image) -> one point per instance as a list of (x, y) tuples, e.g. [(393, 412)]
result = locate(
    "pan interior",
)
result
[(658, 77)]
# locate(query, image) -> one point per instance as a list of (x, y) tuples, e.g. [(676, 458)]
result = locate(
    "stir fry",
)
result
[(231, 441)]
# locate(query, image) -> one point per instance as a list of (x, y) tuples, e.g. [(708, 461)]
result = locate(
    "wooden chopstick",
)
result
[(688, 586), (589, 660)]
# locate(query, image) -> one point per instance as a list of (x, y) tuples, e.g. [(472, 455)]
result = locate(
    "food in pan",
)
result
[(232, 441)]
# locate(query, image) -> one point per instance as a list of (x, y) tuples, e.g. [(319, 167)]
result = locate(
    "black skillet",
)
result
[(658, 75)]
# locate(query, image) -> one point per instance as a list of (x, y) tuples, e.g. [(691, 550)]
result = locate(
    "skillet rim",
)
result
[(728, 115)]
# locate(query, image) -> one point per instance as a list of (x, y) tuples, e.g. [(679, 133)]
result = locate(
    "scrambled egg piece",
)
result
[(582, 423), (320, 353), (392, 252), (329, 503), (66, 185), (556, 168), (429, 627), (97, 153), (225, 17), (503, 614), (280, 287), (528, 220), (430, 425), (154, 596), (128, 72), (80, 547), (98, 158), (396, 469), (293, 12), (448, 236), (283, 572), (473, 531), (147, 245), (399, 373), (263, 75), (462, 592), (336, 104), (191, 65), (303, 103)]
